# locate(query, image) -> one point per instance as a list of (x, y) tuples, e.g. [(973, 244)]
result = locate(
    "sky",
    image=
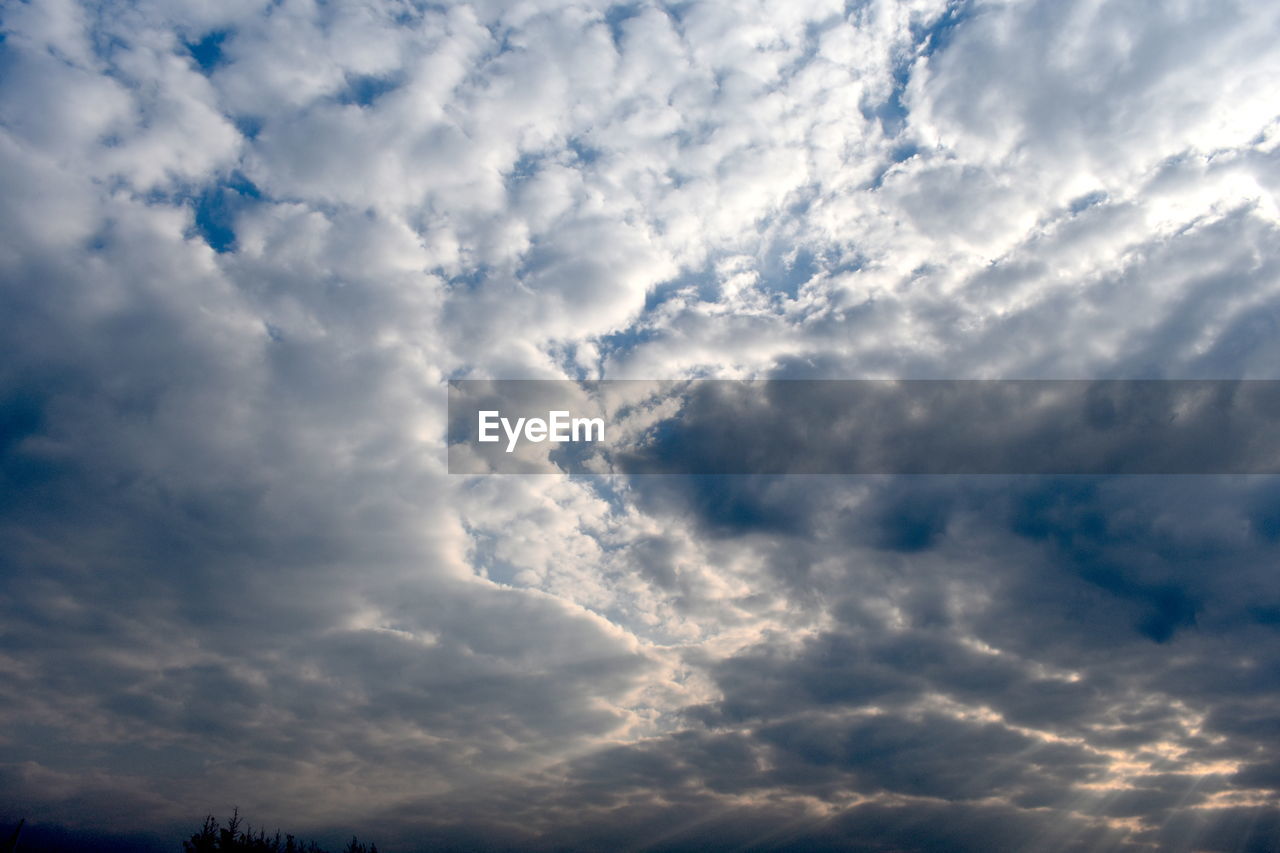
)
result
[(245, 245)]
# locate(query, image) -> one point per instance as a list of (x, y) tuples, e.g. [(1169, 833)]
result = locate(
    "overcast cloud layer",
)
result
[(243, 246)]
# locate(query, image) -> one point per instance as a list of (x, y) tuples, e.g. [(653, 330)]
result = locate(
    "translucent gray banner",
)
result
[(709, 426)]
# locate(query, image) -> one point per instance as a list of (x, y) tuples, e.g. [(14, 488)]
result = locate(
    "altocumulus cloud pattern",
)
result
[(244, 246)]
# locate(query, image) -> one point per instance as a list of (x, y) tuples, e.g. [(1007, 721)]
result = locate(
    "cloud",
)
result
[(244, 245)]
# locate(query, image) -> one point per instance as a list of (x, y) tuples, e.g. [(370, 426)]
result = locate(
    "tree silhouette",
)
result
[(215, 838), (12, 844)]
